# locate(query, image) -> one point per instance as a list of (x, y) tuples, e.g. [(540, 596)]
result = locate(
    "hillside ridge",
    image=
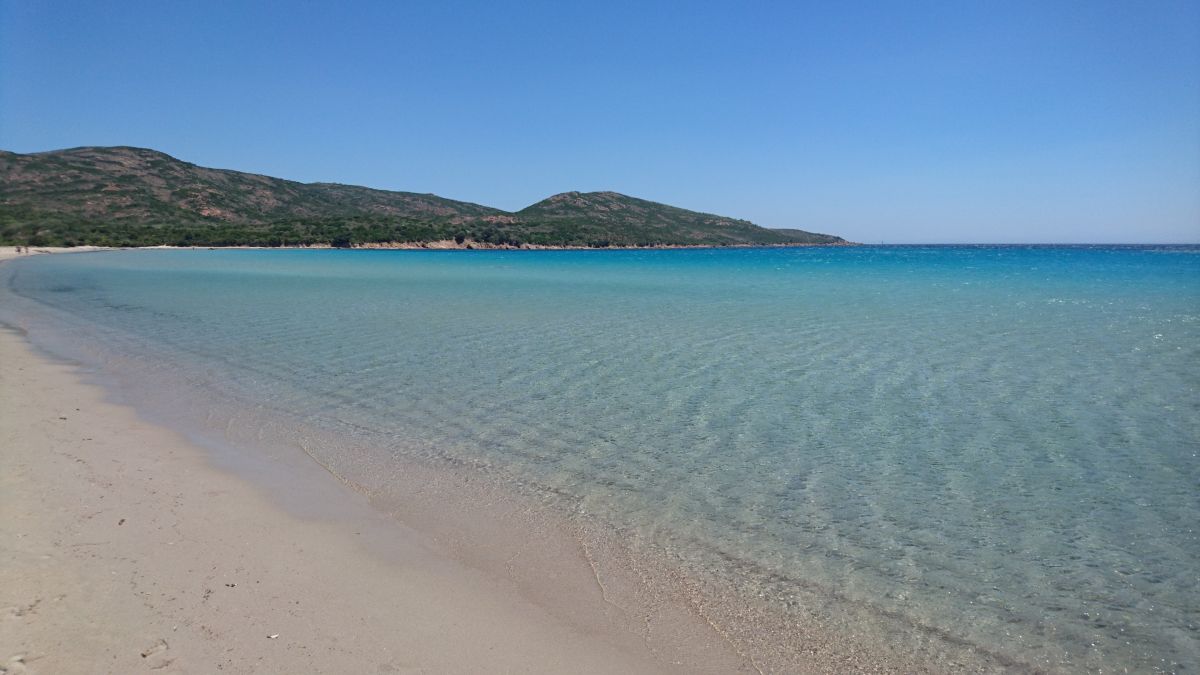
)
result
[(130, 196)]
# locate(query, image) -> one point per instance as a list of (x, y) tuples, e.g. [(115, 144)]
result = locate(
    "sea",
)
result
[(997, 446)]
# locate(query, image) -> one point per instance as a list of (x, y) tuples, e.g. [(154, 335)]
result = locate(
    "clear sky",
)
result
[(961, 121)]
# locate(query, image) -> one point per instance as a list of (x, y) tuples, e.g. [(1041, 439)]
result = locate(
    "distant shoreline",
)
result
[(450, 244), (7, 252), (438, 245)]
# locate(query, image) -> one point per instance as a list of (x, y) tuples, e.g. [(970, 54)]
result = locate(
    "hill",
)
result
[(123, 196), (619, 220)]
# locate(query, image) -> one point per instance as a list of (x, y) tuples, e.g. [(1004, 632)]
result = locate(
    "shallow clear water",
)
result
[(998, 444)]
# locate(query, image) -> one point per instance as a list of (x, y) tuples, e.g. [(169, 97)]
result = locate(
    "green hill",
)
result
[(122, 196), (614, 219)]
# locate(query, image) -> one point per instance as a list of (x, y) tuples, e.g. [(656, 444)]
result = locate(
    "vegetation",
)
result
[(125, 196)]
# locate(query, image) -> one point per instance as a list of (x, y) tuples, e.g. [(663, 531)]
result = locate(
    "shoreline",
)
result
[(126, 546), (450, 244), (557, 577), (7, 252), (130, 546)]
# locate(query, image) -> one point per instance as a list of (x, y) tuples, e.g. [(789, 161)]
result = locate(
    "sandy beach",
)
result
[(9, 252), (126, 550)]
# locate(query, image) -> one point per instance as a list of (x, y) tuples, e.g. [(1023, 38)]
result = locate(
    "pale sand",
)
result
[(125, 550), (7, 252)]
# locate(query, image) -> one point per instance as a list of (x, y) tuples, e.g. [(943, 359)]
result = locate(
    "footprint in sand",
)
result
[(155, 654), (156, 648)]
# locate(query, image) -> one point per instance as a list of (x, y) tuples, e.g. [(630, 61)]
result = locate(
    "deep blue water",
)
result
[(1000, 443)]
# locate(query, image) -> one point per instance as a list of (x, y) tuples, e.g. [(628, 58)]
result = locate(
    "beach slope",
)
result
[(125, 550)]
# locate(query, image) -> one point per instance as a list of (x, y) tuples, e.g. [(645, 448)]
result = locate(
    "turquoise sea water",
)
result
[(996, 444)]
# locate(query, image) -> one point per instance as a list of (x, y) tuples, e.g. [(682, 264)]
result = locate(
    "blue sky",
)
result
[(897, 122)]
